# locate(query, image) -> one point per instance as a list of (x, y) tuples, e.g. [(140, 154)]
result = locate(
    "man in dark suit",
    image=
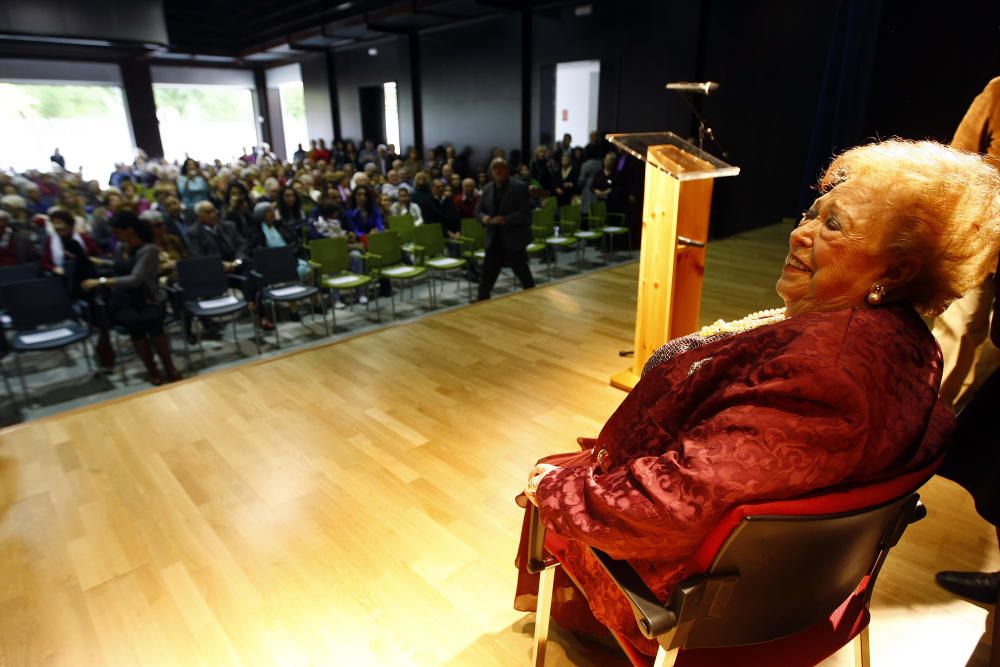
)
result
[(211, 236), (505, 211)]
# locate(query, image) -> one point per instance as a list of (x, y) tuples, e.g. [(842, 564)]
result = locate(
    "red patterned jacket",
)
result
[(814, 401)]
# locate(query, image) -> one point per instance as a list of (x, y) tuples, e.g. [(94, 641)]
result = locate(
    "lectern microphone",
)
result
[(692, 87)]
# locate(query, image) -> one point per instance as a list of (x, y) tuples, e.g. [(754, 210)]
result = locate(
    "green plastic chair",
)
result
[(571, 220), (473, 239), (430, 239), (385, 260), (404, 226), (611, 224), (329, 259), (543, 220)]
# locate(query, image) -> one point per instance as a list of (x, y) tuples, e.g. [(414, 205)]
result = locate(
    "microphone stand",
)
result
[(704, 130)]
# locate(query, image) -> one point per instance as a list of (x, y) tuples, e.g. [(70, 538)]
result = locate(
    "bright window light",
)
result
[(86, 123), (205, 122), (293, 116), (391, 115)]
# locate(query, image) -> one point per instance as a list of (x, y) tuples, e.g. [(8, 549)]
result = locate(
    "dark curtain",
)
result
[(843, 105)]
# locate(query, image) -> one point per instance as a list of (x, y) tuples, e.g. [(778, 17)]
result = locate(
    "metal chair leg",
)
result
[(322, 307), (274, 321), (862, 649), (6, 384), (546, 579), (20, 375), (86, 355)]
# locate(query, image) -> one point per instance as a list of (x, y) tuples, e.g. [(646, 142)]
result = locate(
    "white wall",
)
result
[(576, 99)]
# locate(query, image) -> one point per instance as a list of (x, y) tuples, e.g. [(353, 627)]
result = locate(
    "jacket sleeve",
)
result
[(144, 271), (796, 425)]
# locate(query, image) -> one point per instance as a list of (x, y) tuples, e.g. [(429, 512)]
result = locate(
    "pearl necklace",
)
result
[(751, 321)]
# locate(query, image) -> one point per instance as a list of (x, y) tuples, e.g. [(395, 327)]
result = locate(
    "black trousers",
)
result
[(496, 255), (141, 319)]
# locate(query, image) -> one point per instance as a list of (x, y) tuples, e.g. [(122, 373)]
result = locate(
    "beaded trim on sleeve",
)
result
[(751, 321)]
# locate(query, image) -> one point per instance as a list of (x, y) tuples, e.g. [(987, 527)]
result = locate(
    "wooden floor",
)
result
[(353, 504)]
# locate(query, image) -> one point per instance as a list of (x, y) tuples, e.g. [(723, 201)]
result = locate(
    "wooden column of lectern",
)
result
[(677, 201)]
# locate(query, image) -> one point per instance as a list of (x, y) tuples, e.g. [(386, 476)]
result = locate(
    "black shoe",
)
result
[(982, 587)]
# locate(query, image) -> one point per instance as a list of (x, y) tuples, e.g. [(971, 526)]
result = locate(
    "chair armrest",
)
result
[(653, 618), (315, 265), (536, 543)]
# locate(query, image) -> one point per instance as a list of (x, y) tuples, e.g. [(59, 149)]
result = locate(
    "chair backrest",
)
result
[(276, 265), (36, 303), (330, 254), (387, 246), (16, 274), (431, 237), (549, 204), (201, 277), (598, 209), (775, 569), (569, 217), (473, 229), (542, 225), (402, 225)]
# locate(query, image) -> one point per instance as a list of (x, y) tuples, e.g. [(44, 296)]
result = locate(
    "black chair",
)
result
[(276, 273), (204, 289), (784, 583), (15, 274), (42, 318)]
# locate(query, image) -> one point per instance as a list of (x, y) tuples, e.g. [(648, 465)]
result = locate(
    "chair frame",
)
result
[(264, 282), (189, 300), (700, 612), (365, 287), (68, 314)]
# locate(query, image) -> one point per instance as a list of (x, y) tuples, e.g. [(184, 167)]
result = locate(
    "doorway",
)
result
[(372, 100), (577, 91)]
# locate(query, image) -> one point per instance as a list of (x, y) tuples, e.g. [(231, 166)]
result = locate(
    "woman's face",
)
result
[(61, 228), (361, 197), (289, 197), (385, 201), (836, 253)]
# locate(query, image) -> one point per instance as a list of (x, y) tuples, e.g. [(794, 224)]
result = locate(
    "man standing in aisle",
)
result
[(505, 211)]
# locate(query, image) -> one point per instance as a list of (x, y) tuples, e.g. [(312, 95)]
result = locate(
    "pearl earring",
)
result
[(876, 294)]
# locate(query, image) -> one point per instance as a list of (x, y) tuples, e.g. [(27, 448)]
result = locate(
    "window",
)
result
[(86, 123), (391, 115), (293, 116), (205, 122)]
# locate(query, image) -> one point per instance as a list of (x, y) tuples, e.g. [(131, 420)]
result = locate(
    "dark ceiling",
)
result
[(241, 33)]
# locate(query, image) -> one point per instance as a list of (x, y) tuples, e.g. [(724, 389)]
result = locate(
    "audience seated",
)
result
[(201, 209)]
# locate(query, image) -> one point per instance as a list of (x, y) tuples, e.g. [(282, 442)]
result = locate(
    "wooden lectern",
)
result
[(677, 201)]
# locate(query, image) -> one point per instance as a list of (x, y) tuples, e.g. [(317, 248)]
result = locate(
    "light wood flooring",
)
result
[(353, 504)]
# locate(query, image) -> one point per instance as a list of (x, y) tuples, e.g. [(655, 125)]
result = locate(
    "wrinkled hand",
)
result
[(535, 477)]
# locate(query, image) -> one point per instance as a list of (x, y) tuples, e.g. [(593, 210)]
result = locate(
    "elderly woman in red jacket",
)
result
[(839, 386)]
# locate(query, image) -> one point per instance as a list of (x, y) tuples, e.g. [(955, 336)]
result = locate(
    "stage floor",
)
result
[(353, 504)]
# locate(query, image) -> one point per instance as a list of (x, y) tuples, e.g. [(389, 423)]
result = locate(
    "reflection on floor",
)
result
[(352, 504)]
